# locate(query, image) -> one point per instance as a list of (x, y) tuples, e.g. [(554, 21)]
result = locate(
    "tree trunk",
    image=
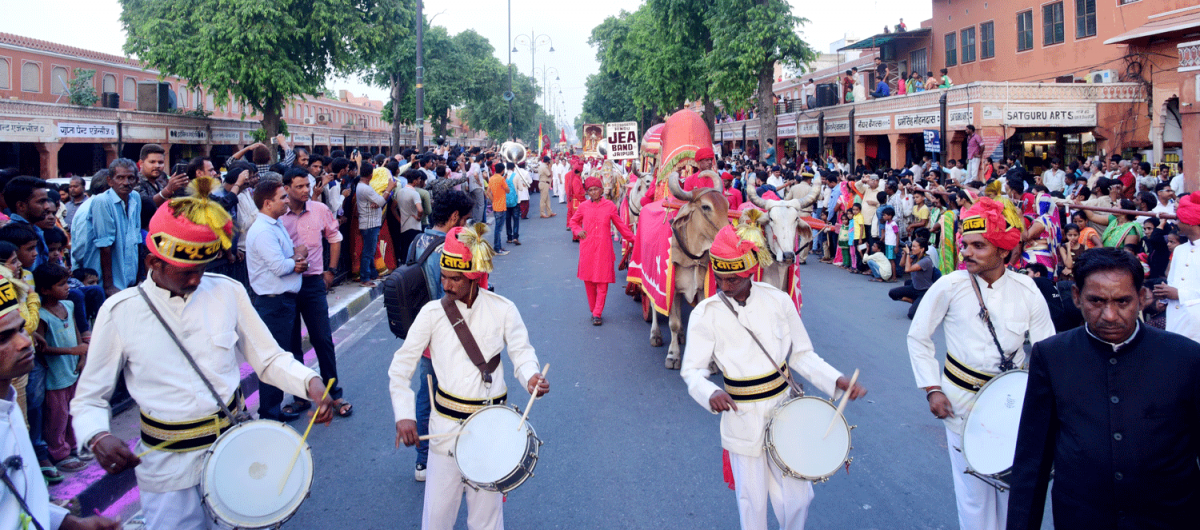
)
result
[(710, 115), (394, 80), (766, 108), (270, 125)]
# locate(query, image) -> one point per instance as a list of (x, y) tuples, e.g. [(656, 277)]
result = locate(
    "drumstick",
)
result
[(532, 396), (288, 473), (842, 405), (442, 435)]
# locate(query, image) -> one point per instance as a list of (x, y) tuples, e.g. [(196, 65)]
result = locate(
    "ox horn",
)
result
[(676, 190), (752, 193), (800, 203), (715, 178)]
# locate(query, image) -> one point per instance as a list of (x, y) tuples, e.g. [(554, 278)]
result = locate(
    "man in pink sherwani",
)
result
[(591, 224)]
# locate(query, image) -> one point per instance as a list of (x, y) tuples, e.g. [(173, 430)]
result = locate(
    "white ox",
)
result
[(786, 233)]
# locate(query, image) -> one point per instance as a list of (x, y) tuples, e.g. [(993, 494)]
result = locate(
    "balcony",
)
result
[(1189, 56)]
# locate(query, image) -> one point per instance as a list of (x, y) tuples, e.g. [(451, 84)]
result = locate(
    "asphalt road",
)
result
[(625, 446)]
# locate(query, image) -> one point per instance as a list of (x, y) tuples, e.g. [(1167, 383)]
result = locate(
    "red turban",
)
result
[(467, 251), (192, 230), (704, 153), (592, 182), (987, 217), (730, 254), (1188, 210)]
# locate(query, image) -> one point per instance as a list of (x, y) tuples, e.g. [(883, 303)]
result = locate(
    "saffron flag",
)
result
[(540, 145), (563, 137)]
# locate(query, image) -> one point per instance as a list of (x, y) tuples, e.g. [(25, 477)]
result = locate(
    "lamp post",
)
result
[(533, 41), (546, 100)]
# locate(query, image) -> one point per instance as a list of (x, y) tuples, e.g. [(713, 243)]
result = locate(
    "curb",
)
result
[(101, 492)]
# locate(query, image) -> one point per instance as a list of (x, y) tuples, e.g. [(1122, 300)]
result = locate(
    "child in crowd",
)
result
[(63, 352), (1068, 252), (860, 237), (85, 277), (845, 236), (881, 265), (891, 235)]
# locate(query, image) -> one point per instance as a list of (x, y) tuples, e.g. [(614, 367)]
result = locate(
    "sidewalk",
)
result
[(116, 496)]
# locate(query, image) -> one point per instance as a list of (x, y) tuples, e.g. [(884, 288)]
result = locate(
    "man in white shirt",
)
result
[(462, 387), (1183, 287), (725, 335), (1166, 199), (212, 316), (1015, 307), (559, 175), (1054, 179)]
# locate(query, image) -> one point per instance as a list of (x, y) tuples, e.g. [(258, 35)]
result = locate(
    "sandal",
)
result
[(71, 464), (596, 321), (51, 473), (296, 406), (343, 408)]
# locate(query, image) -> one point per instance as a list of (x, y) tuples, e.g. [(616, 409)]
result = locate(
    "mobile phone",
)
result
[(179, 169)]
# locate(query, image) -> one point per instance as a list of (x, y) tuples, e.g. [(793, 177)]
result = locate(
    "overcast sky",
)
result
[(95, 25)]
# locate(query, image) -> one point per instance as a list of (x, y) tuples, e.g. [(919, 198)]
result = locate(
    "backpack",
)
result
[(405, 291)]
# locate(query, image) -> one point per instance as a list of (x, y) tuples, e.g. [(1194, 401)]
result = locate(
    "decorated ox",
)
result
[(785, 231), (693, 229)]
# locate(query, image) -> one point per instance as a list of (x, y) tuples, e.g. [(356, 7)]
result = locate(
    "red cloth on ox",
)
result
[(1188, 210), (596, 255), (987, 217)]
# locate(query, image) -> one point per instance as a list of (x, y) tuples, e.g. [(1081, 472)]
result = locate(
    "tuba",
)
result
[(513, 152)]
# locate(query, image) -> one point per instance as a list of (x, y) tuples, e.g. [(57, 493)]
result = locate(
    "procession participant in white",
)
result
[(1014, 307), (211, 315), (24, 501), (754, 385), (464, 385), (560, 174), (1182, 289)]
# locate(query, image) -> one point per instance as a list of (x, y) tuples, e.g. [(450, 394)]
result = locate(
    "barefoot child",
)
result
[(63, 355), (592, 223)]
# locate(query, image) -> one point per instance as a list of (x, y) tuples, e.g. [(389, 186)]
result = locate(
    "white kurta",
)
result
[(215, 323), (1016, 307), (1183, 315), (14, 441), (713, 335)]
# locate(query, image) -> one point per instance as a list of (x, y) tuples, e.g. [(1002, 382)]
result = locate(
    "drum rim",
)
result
[(494, 486), (769, 444), (967, 422), (223, 517)]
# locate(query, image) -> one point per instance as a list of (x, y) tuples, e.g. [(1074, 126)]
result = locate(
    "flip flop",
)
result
[(296, 407), (343, 408), (52, 475)]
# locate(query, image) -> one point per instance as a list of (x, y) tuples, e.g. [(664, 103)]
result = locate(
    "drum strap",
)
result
[(468, 341), (786, 374), (1006, 360), (190, 359)]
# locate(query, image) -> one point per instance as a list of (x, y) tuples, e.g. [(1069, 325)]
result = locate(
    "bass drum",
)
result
[(242, 471), (990, 434)]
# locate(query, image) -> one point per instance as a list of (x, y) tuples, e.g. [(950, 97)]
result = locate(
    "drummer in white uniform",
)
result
[(753, 384), (212, 316), (462, 386), (1016, 308)]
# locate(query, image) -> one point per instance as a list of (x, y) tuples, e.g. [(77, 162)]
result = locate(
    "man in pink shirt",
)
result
[(307, 222), (704, 160), (974, 153)]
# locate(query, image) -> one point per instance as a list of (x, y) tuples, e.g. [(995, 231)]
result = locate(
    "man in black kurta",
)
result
[(1114, 409)]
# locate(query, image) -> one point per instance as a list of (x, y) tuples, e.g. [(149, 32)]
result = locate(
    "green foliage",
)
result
[(260, 134), (491, 114), (261, 52), (750, 36), (83, 93)]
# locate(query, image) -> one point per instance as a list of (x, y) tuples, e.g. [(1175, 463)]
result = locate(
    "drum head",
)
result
[(242, 471), (990, 434), (798, 434), (492, 447)]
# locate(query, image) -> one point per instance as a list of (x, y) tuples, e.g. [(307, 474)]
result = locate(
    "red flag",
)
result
[(563, 138), (540, 139)]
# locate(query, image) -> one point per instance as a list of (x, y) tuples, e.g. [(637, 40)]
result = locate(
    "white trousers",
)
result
[(973, 170), (756, 480), (444, 491), (175, 510), (980, 506), (558, 190)]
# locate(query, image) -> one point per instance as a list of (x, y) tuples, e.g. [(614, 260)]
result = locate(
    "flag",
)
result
[(563, 138), (540, 145)]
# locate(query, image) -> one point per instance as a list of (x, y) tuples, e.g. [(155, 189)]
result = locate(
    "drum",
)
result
[(242, 471), (797, 443), (493, 455), (990, 434)]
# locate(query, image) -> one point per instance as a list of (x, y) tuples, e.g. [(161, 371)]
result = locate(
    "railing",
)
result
[(1189, 56)]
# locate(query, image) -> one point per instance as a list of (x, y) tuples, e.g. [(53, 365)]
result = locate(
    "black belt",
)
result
[(963, 376), (458, 408), (756, 388), (191, 434)]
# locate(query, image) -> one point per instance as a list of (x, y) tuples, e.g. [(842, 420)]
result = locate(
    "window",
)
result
[(130, 89), (110, 83), (198, 99), (951, 50), (987, 40), (968, 45), (1085, 18), (1025, 31), (4, 79), (58, 81), (209, 103), (919, 61), (1052, 23)]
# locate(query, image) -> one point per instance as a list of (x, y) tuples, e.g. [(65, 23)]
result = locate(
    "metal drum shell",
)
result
[(523, 470), (769, 443)]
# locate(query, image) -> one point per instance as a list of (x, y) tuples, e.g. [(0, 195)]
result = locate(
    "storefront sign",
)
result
[(623, 140), (787, 131), (727, 135), (1044, 116), (839, 126), (227, 137), (751, 133), (337, 140), (807, 129), (12, 130), (871, 124), (86, 130), (933, 141), (186, 135), (918, 120), (302, 139), (135, 132), (320, 140), (960, 117)]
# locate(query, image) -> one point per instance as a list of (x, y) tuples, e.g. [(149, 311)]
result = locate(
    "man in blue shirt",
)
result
[(275, 264), (881, 89), (512, 222), (106, 238), (27, 198)]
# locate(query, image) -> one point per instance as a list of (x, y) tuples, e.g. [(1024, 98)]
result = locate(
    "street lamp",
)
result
[(533, 41), (545, 72)]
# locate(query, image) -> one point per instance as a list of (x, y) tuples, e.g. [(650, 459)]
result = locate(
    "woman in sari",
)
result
[(943, 232), (1088, 236), (1122, 229), (1044, 234)]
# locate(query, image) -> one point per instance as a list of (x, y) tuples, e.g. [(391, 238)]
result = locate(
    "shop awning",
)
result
[(877, 41), (1159, 26)]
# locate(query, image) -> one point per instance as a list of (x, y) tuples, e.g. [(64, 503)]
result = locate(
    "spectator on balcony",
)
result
[(902, 85), (860, 86), (881, 89), (930, 81), (901, 27), (848, 87), (881, 69), (914, 83), (946, 81)]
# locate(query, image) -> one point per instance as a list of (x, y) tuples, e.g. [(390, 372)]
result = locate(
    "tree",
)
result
[(261, 53), (83, 93), (749, 37), (491, 114), (682, 30)]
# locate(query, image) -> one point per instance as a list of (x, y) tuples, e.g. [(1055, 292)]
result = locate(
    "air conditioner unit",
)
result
[(1102, 76), (310, 121), (322, 118)]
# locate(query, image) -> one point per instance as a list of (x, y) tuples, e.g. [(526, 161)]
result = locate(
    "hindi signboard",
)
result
[(623, 140), (86, 130), (933, 141)]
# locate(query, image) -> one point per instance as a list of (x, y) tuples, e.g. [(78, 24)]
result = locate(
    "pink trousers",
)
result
[(596, 293), (57, 431)]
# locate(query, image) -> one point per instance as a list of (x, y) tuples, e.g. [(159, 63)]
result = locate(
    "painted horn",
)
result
[(676, 190)]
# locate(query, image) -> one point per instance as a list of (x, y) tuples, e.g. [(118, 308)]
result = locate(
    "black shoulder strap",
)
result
[(1006, 361), (468, 341), (433, 246)]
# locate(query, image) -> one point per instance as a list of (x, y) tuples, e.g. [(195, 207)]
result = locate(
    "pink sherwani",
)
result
[(596, 255)]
